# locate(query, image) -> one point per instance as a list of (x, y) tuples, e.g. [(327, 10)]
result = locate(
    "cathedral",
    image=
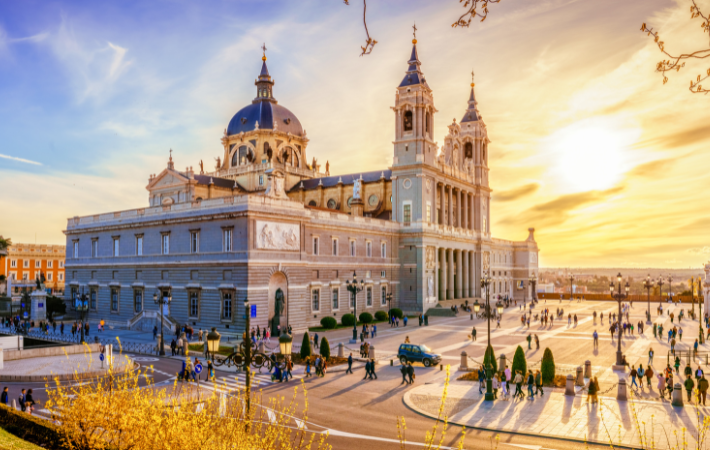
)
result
[(271, 234)]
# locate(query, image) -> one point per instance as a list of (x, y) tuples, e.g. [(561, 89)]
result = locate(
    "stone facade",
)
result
[(269, 228)]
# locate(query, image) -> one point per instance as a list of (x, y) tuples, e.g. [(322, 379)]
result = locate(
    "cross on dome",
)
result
[(263, 49), (414, 33)]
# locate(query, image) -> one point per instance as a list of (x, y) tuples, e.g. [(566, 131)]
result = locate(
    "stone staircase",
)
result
[(146, 320)]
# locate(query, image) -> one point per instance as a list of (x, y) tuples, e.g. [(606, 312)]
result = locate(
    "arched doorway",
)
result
[(278, 303)]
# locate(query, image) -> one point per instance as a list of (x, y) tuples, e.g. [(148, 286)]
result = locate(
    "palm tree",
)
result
[(4, 244)]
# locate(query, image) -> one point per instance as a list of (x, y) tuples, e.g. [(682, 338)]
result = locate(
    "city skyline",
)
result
[(583, 147)]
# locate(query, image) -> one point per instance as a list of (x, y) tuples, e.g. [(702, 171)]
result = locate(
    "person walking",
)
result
[(649, 375), (315, 341), (481, 380), (403, 369), (699, 373), (367, 370), (633, 375), (3, 397), (529, 339), (687, 371), (518, 384), (308, 366), (473, 334), (538, 383), (680, 333), (531, 383), (695, 347), (677, 364), (495, 382), (29, 402), (595, 335), (640, 372), (592, 392), (350, 364), (410, 372), (173, 347), (21, 400), (702, 389), (673, 346), (689, 385), (289, 368), (537, 342), (661, 384), (650, 356), (155, 332), (372, 369)]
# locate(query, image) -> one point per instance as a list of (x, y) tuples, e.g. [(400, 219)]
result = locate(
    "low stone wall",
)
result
[(11, 355)]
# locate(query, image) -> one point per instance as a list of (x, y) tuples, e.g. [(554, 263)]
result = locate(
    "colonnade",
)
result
[(459, 213), (456, 276)]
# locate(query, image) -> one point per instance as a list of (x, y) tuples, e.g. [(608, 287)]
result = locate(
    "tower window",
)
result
[(468, 150), (408, 121), (428, 116)]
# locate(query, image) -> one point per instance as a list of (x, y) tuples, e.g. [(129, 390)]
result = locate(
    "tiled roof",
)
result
[(367, 177)]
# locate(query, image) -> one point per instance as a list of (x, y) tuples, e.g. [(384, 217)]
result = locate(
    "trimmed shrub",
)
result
[(381, 315), (31, 428), (306, 347), (325, 348), (519, 363), (490, 356), (328, 322), (365, 317), (548, 367), (396, 312), (348, 320)]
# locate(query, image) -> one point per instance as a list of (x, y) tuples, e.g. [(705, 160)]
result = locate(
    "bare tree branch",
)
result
[(369, 42), (677, 62), (474, 8)]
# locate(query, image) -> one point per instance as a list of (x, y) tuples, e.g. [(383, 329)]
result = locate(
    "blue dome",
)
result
[(266, 113)]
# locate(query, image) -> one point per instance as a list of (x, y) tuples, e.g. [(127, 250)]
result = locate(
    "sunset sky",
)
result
[(588, 146)]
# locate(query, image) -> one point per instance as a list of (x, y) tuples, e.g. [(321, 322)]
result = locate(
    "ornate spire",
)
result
[(264, 84), (471, 114), (414, 73), (171, 166)]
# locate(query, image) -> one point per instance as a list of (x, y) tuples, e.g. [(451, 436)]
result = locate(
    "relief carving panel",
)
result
[(278, 236)]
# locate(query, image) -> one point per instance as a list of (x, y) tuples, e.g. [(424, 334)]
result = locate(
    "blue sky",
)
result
[(94, 94)]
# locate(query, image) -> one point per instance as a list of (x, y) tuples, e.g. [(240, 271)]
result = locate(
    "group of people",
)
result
[(503, 379), (25, 400)]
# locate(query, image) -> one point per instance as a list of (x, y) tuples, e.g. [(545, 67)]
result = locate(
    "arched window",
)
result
[(312, 203), (483, 154), (468, 150), (242, 156), (267, 152), (408, 121), (332, 204), (428, 117)]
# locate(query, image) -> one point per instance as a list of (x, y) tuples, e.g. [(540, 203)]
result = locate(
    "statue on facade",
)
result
[(219, 162), (202, 167), (278, 311), (327, 167), (357, 189)]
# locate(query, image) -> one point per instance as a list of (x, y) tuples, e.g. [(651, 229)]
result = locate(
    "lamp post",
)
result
[(533, 283), (389, 304), (571, 286), (161, 302), (81, 304), (692, 296), (670, 288), (660, 284), (619, 296), (648, 284), (700, 310), (485, 282), (354, 289)]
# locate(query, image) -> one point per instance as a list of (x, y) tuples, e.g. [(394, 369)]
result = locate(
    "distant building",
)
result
[(547, 288), (24, 263)]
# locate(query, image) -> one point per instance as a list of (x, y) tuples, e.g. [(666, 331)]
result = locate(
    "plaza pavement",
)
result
[(61, 367)]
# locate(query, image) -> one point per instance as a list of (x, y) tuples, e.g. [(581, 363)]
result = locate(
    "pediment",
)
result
[(167, 178)]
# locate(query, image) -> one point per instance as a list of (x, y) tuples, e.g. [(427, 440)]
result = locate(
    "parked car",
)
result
[(418, 353)]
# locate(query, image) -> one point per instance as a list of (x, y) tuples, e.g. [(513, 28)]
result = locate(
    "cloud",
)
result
[(557, 211), (699, 250), (652, 168), (516, 193), (22, 160), (34, 38)]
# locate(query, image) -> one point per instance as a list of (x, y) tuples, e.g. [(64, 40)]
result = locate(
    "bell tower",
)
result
[(414, 116)]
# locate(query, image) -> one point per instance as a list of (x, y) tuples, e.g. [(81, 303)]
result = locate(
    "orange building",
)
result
[(24, 263)]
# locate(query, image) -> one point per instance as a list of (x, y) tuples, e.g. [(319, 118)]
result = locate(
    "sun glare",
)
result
[(590, 155)]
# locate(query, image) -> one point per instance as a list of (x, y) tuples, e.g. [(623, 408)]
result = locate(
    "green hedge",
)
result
[(306, 347), (490, 356), (381, 315), (548, 367), (348, 320), (365, 317), (396, 312), (328, 322), (30, 428), (519, 363)]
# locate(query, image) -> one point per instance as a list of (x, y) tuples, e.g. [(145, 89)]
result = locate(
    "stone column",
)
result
[(459, 216), (451, 207), (450, 274), (621, 392), (465, 274), (472, 274), (459, 274), (475, 225), (677, 395), (442, 274), (464, 224), (464, 362), (569, 386), (442, 205)]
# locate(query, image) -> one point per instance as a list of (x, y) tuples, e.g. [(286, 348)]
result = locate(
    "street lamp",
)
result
[(648, 284), (619, 296), (533, 283), (670, 288), (485, 282), (700, 310), (692, 296), (285, 344), (161, 302), (571, 286), (660, 288), (81, 304), (354, 289)]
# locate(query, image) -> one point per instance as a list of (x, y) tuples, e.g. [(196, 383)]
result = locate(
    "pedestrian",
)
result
[(538, 383), (374, 330), (21, 400), (317, 365), (699, 373), (537, 342), (695, 347), (689, 385), (495, 382), (173, 347), (661, 384), (3, 397), (531, 382), (518, 384), (640, 372), (650, 356), (595, 335), (677, 364), (529, 339), (155, 332), (289, 368), (350, 363), (633, 375), (406, 340), (372, 369), (669, 386), (592, 392), (481, 380), (680, 333), (367, 369), (673, 346), (403, 369), (315, 340), (410, 372), (473, 334), (506, 390), (649, 374), (702, 389), (29, 402), (308, 366)]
